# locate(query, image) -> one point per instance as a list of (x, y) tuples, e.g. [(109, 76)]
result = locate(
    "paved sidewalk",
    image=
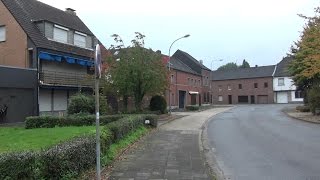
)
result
[(170, 153)]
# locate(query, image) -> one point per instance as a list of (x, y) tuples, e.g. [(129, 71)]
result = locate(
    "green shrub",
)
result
[(81, 103), (68, 159), (158, 103), (123, 126), (303, 108), (192, 108), (72, 120), (314, 98), (18, 165)]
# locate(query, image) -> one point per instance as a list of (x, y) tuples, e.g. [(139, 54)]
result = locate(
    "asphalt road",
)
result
[(261, 142)]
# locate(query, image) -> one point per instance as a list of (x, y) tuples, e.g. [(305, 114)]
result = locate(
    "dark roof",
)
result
[(179, 65), (243, 73), (282, 67), (27, 12), (190, 61)]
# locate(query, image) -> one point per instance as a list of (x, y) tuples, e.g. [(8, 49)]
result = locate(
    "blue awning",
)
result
[(71, 60)]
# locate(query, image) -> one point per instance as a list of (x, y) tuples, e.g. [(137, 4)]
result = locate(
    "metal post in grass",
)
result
[(98, 67)]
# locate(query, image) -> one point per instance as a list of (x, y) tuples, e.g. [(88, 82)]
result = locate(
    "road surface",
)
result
[(261, 142)]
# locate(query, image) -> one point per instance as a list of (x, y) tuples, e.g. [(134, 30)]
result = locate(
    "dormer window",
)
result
[(60, 34), (80, 39)]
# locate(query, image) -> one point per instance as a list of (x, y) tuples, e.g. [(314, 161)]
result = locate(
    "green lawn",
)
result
[(18, 138)]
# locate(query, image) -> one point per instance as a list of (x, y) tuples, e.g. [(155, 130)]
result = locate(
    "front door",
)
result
[(252, 100), (230, 99), (182, 97)]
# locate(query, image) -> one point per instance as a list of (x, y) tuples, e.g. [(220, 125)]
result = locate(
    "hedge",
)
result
[(72, 120), (68, 159), (192, 108)]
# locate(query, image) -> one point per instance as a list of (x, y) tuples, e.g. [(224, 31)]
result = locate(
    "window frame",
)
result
[(220, 98), (79, 34), (266, 85), (4, 33), (255, 85), (61, 28), (240, 86), (281, 84)]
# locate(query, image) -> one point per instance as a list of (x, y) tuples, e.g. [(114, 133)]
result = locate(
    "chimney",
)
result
[(70, 11), (201, 61), (256, 66)]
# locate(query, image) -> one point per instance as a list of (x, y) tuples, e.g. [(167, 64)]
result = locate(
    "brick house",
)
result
[(283, 86), (189, 80), (54, 43), (243, 85)]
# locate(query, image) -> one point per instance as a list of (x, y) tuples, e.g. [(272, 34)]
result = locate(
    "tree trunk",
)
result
[(125, 103)]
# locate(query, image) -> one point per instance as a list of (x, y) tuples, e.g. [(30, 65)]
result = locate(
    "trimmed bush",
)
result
[(314, 98), (192, 108), (68, 159), (81, 103), (152, 118), (303, 108), (73, 120), (158, 103), (125, 125), (18, 165)]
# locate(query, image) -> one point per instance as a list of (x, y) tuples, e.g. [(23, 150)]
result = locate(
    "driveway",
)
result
[(261, 142)]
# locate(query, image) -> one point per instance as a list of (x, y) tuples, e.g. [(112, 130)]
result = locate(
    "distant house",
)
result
[(189, 81), (55, 44), (284, 89), (243, 85)]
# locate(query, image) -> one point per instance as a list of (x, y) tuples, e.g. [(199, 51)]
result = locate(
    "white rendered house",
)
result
[(283, 86)]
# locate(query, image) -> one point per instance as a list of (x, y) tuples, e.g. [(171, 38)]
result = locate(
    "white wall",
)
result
[(288, 84)]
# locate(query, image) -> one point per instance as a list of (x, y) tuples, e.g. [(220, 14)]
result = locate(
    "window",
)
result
[(255, 85), (265, 84), (172, 78), (220, 88), (281, 82), (60, 34), (229, 87), (208, 98), (191, 82), (220, 98), (188, 81), (204, 97), (207, 81), (240, 86), (80, 39), (298, 94), (199, 82), (2, 33)]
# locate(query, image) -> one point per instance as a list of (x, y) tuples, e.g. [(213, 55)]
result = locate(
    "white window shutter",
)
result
[(79, 40), (60, 35)]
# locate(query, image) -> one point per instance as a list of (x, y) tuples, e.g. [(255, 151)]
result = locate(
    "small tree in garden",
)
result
[(137, 71), (81, 103)]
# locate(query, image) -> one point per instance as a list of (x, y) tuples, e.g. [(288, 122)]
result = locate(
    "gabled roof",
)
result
[(243, 73), (190, 61), (27, 12), (179, 65), (282, 67)]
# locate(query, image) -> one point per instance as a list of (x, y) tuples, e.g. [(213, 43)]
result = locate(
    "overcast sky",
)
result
[(259, 31)]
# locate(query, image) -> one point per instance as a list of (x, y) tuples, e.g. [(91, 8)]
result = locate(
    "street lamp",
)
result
[(185, 36), (212, 63)]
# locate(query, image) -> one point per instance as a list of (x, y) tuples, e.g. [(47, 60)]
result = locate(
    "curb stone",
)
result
[(207, 153)]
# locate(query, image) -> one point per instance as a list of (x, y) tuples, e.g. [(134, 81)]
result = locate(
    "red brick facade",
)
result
[(247, 91)]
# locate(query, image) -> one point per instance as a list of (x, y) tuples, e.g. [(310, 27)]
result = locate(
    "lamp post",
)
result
[(185, 36), (212, 63)]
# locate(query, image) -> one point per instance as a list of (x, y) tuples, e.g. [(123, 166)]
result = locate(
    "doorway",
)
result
[(182, 97), (230, 99), (252, 99)]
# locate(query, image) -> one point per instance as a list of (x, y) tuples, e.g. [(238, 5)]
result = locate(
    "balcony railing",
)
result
[(56, 78)]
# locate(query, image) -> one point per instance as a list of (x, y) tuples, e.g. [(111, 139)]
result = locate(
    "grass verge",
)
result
[(117, 148), (20, 139)]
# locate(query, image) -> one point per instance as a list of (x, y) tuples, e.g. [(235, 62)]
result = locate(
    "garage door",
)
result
[(262, 99), (282, 97)]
